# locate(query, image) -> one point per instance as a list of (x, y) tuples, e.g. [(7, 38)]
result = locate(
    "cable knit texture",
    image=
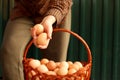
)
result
[(37, 9)]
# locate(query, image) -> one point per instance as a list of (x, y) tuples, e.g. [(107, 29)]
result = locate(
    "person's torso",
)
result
[(32, 8)]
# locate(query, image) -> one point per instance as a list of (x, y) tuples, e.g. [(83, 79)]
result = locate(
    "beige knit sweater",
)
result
[(37, 9)]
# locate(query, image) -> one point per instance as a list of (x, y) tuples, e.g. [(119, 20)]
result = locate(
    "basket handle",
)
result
[(74, 34)]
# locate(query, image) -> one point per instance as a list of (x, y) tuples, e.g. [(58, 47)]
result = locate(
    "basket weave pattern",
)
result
[(82, 74)]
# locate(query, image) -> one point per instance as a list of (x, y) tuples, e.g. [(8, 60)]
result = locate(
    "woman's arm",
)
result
[(57, 10)]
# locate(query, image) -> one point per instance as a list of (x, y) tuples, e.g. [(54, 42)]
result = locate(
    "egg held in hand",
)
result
[(42, 39), (40, 29)]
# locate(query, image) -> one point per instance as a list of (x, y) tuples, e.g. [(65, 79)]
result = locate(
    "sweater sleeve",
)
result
[(59, 9)]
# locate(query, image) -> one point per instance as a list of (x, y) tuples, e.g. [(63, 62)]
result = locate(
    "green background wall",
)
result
[(98, 22)]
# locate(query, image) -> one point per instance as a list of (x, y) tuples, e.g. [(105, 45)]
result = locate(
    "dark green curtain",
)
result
[(98, 22)]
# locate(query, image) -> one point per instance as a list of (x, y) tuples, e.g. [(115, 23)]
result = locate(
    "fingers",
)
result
[(41, 46), (47, 29), (33, 32), (49, 32)]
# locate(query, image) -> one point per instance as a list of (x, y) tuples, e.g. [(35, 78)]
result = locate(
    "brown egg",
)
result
[(39, 28), (44, 61), (74, 66), (62, 71), (71, 71), (51, 65), (79, 64), (42, 39), (37, 78), (50, 73), (56, 69), (42, 69), (57, 64), (83, 78), (64, 64), (70, 63), (34, 63), (31, 73)]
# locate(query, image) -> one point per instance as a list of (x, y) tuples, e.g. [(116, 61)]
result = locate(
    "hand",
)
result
[(47, 23)]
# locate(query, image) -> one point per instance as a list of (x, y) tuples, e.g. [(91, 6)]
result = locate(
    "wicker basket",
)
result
[(82, 74)]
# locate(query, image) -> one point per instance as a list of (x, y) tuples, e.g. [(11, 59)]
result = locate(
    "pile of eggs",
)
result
[(51, 67)]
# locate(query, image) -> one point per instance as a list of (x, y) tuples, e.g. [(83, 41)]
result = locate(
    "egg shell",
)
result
[(34, 63), (57, 64), (64, 64), (83, 78), (42, 69), (79, 64), (39, 28), (74, 66), (51, 65), (62, 71), (37, 78), (50, 73), (44, 61), (71, 71), (56, 69), (31, 73), (70, 63), (42, 39)]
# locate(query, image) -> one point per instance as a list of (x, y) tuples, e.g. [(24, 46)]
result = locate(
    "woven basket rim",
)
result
[(82, 74), (68, 31)]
